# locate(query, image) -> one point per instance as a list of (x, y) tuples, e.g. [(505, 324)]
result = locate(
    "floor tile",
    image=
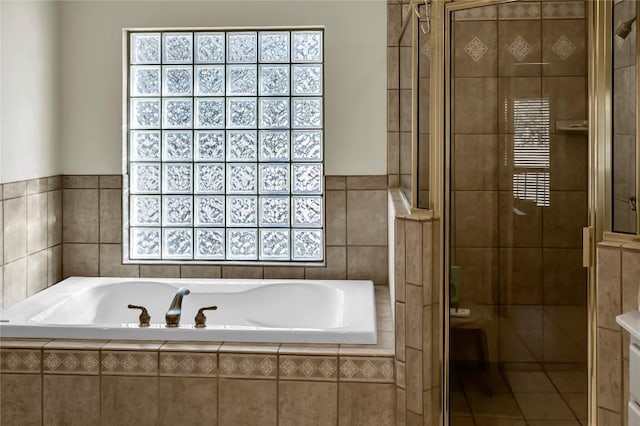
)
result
[(528, 381), (543, 406), (500, 405)]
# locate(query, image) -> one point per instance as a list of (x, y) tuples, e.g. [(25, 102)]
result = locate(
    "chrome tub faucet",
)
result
[(175, 310)]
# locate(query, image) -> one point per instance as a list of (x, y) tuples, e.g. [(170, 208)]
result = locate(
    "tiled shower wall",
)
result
[(30, 237), (356, 234), (520, 247)]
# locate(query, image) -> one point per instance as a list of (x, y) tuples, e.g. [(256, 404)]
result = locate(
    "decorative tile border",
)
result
[(256, 366), (563, 10), (71, 362), (20, 361), (188, 364), (519, 11), (360, 369), (126, 363), (489, 13), (308, 368)]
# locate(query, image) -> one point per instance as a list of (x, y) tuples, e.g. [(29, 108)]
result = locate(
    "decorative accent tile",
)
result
[(489, 13), (188, 364), (520, 48), (426, 50), (476, 49), (360, 369), (130, 363), (71, 362), (563, 10), (258, 366), (308, 368), (20, 361), (519, 11), (564, 47)]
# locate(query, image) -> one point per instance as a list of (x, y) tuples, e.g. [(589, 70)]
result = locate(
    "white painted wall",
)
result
[(29, 102), (355, 72)]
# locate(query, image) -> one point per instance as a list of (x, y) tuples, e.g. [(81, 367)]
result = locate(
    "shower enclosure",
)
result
[(516, 203)]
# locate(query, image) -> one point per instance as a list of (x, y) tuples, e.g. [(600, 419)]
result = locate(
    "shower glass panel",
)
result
[(518, 179)]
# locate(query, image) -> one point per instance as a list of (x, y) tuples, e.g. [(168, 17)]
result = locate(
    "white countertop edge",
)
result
[(630, 321)]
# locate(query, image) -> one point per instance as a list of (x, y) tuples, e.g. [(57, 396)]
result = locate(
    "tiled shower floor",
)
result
[(520, 398)]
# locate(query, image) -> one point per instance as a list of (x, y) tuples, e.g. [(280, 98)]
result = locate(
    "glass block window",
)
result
[(224, 146)]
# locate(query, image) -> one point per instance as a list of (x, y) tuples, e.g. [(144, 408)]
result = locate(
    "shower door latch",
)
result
[(587, 238)]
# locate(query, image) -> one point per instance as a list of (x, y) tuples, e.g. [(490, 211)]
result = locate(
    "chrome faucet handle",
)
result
[(201, 320), (144, 315)]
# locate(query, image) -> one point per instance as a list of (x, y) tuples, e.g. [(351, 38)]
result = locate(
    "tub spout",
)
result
[(175, 310)]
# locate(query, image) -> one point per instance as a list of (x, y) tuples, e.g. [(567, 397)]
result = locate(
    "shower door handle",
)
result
[(587, 238)]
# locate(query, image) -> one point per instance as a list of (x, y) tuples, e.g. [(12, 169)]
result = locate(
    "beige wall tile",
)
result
[(400, 335), (244, 365), (80, 260), (306, 404), (129, 400), (393, 111), (478, 275), (565, 279), (401, 407), (476, 106), (367, 263), (301, 367), (414, 317), (284, 272), (54, 264), (363, 369), (160, 271), (480, 229), (36, 272), (521, 276), (624, 86), (428, 349), (367, 182), (336, 218), (405, 67), (335, 183), (565, 334), (569, 162), (606, 417), (365, 404), (200, 271), (71, 400), (54, 183), (393, 153), (475, 162), (80, 221), (475, 49), (413, 252), (110, 216), (36, 222), (564, 47), (520, 43), (20, 399), (630, 283), (15, 282), (367, 217), (520, 222), (394, 24), (72, 360), (562, 106), (624, 51), (80, 181), (510, 89), (336, 268), (111, 262), (405, 110), (242, 272), (54, 217), (399, 259), (14, 189), (564, 219), (609, 286), (393, 76), (111, 181), (15, 228), (414, 380), (189, 401), (609, 369), (128, 363), (247, 402)]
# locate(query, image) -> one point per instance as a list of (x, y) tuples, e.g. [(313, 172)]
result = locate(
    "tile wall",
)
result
[(30, 237)]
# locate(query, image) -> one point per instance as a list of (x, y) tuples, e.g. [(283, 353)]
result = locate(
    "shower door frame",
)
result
[(599, 170)]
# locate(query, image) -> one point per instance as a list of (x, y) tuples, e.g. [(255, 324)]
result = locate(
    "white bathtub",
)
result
[(283, 311)]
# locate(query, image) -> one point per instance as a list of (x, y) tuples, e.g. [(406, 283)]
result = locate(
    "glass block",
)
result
[(307, 80), (242, 80), (145, 48), (307, 145), (145, 243), (209, 80), (177, 81), (209, 47), (209, 178), (307, 113), (242, 244), (177, 48), (209, 244), (210, 113), (274, 80), (307, 46), (177, 210), (209, 210), (242, 178), (177, 145), (209, 145), (145, 210), (176, 178), (274, 46), (145, 81), (307, 244), (307, 178), (307, 211), (145, 178), (145, 114), (274, 145), (177, 243), (144, 145), (274, 178), (241, 47), (274, 244), (242, 211), (274, 113), (241, 113), (242, 145), (177, 113), (274, 211)]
